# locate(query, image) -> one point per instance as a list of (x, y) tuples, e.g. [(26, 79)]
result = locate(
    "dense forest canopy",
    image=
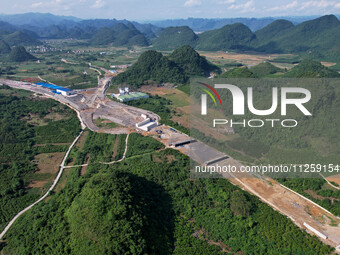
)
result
[(307, 68), (119, 35), (148, 204), (191, 62), (314, 38), (174, 37), (17, 150), (19, 54), (152, 65), (175, 68)]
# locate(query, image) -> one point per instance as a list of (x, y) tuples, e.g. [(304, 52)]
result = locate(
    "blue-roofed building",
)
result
[(57, 89)]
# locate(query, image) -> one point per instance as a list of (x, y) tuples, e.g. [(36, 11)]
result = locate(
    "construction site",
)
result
[(92, 104), (125, 95)]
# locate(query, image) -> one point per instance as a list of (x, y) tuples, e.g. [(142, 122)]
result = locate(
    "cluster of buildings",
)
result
[(125, 95), (121, 66), (56, 89), (43, 49), (80, 51)]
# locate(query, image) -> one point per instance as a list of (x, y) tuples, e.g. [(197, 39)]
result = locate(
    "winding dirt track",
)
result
[(280, 198), (62, 167)]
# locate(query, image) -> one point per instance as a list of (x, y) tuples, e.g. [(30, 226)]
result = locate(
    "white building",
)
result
[(146, 124), (65, 91), (121, 91)]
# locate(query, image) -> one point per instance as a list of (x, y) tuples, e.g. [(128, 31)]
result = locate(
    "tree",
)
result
[(239, 204)]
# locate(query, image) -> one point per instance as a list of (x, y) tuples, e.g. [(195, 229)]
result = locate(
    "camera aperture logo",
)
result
[(238, 105)]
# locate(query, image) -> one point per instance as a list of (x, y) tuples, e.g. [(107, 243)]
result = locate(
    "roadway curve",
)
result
[(107, 163), (298, 216), (62, 167), (335, 187)]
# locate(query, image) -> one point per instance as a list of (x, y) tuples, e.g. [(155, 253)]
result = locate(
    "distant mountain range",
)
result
[(43, 20), (200, 24), (99, 32), (37, 19), (47, 25), (317, 38)]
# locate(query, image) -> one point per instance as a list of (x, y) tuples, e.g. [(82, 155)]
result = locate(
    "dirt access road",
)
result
[(293, 205)]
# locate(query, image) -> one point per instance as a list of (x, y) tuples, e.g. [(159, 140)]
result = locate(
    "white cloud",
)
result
[(36, 5), (285, 7), (246, 7), (310, 6), (317, 4), (226, 2), (249, 4), (98, 4), (53, 6), (54, 3), (191, 3)]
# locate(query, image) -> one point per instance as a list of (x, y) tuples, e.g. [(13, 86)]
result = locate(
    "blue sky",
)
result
[(172, 9)]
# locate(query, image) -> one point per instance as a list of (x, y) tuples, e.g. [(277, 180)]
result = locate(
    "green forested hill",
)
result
[(275, 28), (6, 27), (265, 36), (235, 36), (148, 204), (311, 69), (306, 69), (318, 38), (119, 35), (152, 65), (4, 47), (19, 54), (20, 38), (315, 138), (191, 62), (17, 151), (241, 72), (264, 69), (173, 37), (176, 68), (113, 215)]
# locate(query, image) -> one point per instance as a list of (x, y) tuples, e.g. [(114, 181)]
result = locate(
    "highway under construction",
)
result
[(92, 104)]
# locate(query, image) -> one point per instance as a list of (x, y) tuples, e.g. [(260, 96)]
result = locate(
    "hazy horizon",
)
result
[(180, 18), (177, 9)]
